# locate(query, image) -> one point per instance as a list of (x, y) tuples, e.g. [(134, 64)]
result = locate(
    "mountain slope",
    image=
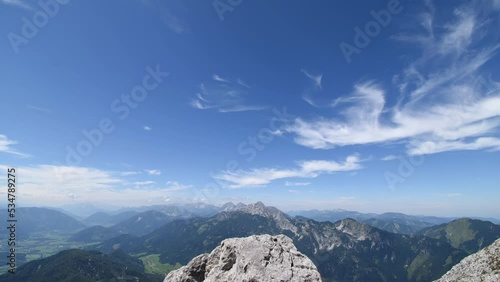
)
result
[(82, 266), (343, 251), (470, 235), (392, 222), (137, 225), (483, 266), (142, 223), (106, 219), (397, 226), (94, 234), (43, 220)]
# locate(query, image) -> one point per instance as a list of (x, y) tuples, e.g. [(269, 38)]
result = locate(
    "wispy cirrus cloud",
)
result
[(6, 147), (310, 93), (218, 78), (152, 171), (176, 186), (128, 173), (316, 78), (144, 183), (304, 169), (389, 158), (17, 3), (288, 183), (444, 103), (166, 9), (223, 95), (242, 83)]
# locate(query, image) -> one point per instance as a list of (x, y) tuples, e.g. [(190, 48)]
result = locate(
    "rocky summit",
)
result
[(252, 259), (482, 266)]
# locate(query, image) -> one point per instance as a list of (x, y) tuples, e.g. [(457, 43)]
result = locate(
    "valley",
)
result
[(164, 238)]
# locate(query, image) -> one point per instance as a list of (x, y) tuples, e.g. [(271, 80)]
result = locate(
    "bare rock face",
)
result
[(259, 258), (483, 266)]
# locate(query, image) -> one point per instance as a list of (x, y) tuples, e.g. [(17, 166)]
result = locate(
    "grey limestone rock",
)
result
[(482, 266), (262, 258)]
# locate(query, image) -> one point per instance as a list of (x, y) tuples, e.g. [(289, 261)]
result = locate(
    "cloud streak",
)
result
[(152, 171), (18, 4), (223, 96), (176, 186), (446, 103), (305, 169), (6, 147), (288, 183), (309, 93)]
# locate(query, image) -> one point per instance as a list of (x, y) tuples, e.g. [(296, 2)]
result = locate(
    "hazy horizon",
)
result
[(92, 208)]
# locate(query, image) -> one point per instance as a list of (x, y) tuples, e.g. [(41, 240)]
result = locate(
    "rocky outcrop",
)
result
[(259, 258), (482, 266)]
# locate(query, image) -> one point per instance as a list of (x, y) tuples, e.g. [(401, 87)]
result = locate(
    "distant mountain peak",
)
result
[(360, 231), (281, 219), (260, 209)]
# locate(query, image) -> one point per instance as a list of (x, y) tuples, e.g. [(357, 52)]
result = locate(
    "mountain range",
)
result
[(138, 224), (346, 250), (470, 235)]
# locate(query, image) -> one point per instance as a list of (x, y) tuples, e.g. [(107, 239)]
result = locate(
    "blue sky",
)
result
[(372, 106)]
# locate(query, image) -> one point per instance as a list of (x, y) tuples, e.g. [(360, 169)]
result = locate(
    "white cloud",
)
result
[(147, 128), (5, 146), (57, 184), (309, 93), (315, 78), (432, 147), (288, 183), (176, 186), (389, 158), (53, 185), (241, 108), (127, 173), (222, 95), (242, 83), (152, 171), (144, 183), (441, 108), (306, 169), (293, 191), (18, 4), (220, 79)]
